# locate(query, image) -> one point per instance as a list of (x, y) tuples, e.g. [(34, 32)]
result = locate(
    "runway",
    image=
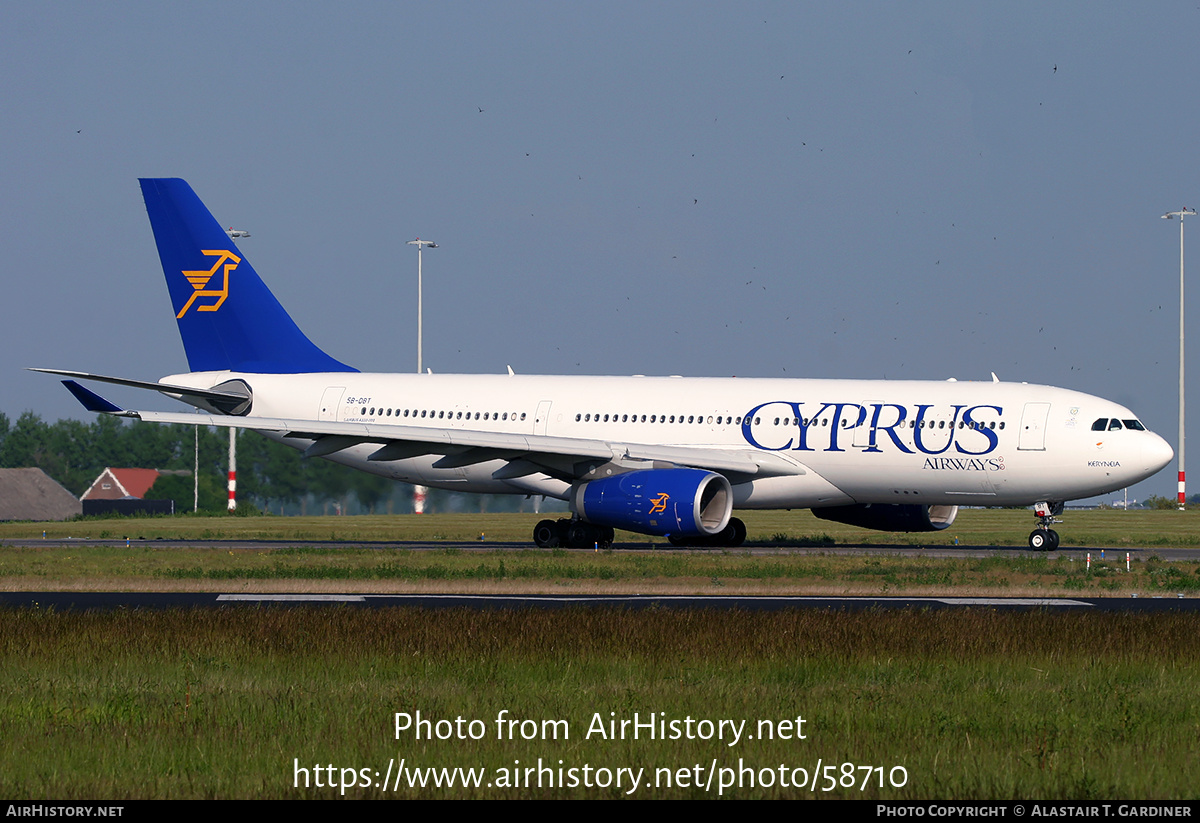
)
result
[(99, 600), (1108, 552), (107, 601)]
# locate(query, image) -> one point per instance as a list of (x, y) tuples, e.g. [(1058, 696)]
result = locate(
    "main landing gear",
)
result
[(571, 534), (1044, 538), (732, 536), (579, 534)]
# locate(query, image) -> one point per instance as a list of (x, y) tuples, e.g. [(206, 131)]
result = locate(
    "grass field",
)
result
[(970, 704), (775, 567), (973, 527), (263, 702)]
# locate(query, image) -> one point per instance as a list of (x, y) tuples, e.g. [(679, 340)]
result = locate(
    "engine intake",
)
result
[(685, 502)]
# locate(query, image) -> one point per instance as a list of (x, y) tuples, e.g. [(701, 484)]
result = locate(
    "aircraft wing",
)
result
[(464, 447), (568, 458)]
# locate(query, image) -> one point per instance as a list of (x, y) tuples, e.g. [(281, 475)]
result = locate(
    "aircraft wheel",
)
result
[(732, 536), (545, 534), (1039, 541), (739, 533), (581, 536), (677, 541), (1053, 544)]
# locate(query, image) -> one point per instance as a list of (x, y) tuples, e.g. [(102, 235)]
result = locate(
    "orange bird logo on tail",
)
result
[(200, 279)]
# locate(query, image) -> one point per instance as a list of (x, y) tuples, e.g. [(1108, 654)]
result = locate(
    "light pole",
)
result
[(420, 244), (231, 506), (419, 491), (1185, 212)]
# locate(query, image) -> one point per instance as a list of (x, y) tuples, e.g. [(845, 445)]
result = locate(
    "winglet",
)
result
[(90, 400)]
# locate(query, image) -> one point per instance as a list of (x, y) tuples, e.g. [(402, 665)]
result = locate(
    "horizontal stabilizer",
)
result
[(184, 392)]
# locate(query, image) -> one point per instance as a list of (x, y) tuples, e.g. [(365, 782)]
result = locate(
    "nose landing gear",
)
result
[(1044, 538)]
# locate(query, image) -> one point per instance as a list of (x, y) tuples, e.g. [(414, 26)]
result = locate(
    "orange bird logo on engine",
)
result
[(201, 279), (658, 505)]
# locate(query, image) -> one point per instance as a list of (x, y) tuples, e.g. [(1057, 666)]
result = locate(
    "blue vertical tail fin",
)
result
[(228, 318)]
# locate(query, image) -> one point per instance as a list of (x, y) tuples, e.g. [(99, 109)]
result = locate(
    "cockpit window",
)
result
[(1100, 425), (1136, 425), (1114, 424)]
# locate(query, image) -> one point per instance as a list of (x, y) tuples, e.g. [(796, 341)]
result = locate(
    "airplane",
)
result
[(665, 456), (236, 233)]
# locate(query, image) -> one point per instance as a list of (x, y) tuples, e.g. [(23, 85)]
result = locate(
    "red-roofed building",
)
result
[(116, 484)]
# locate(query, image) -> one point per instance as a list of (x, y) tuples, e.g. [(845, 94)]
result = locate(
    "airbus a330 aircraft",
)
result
[(667, 456)]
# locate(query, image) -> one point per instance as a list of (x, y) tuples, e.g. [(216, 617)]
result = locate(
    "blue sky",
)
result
[(918, 190)]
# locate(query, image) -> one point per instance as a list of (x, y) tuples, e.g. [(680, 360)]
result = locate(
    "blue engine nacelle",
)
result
[(891, 517), (683, 502)]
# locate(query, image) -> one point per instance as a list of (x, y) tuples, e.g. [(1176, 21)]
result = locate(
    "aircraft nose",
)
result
[(1156, 454)]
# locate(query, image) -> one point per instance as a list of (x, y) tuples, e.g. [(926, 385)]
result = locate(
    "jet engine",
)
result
[(682, 502), (891, 517)]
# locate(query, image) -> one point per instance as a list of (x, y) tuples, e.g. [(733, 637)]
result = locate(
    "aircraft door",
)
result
[(330, 401), (1033, 427), (864, 433), (542, 417)]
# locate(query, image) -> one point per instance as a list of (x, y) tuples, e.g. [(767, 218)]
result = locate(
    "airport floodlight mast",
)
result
[(420, 244), (1185, 212), (234, 234), (419, 491)]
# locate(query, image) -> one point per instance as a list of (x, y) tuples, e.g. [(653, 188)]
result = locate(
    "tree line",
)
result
[(271, 476)]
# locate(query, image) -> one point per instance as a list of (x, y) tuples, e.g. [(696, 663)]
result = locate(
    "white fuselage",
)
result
[(851, 441)]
